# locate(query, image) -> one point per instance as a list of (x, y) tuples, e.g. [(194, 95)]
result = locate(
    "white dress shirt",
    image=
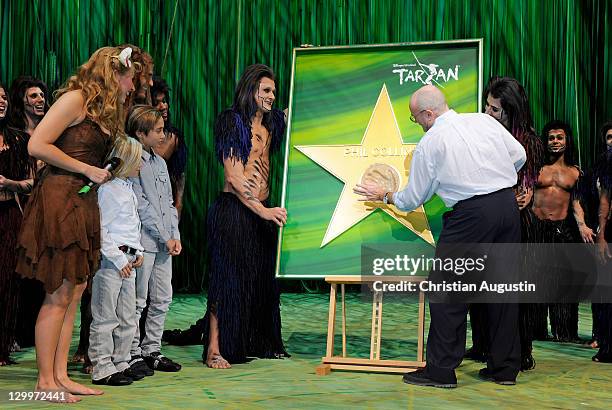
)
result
[(461, 156), (119, 221)]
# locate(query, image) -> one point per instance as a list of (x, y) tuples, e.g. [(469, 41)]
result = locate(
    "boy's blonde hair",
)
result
[(142, 118), (129, 151)]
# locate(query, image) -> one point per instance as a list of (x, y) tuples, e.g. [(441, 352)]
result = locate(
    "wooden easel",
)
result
[(374, 363)]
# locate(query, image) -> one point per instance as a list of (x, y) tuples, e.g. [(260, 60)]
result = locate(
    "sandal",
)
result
[(216, 361)]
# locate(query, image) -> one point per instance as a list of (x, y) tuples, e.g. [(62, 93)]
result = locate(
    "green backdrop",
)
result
[(559, 49)]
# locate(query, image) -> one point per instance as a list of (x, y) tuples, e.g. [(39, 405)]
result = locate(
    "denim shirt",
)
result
[(157, 212)]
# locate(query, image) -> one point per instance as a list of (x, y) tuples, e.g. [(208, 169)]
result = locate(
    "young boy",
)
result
[(113, 286), (160, 240)]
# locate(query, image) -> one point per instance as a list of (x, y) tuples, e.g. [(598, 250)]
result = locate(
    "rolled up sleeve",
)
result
[(421, 183)]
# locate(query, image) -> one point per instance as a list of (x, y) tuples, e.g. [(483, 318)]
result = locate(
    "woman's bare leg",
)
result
[(60, 368), (48, 329)]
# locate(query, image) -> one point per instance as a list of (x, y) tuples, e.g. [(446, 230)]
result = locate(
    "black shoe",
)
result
[(133, 375), (527, 362), (138, 366), (602, 357), (420, 378), (158, 361), (115, 379), (476, 355), (486, 375), (177, 337)]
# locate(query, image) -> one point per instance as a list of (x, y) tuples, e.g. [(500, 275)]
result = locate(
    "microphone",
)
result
[(112, 164)]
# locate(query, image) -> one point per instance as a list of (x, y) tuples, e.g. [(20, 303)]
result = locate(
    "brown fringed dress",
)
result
[(60, 234)]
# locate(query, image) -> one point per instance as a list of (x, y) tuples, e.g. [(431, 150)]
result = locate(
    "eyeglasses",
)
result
[(413, 117)]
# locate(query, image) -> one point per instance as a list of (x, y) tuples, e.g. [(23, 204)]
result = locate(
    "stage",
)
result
[(565, 376)]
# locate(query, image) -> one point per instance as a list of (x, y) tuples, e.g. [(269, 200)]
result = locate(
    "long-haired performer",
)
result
[(243, 297)]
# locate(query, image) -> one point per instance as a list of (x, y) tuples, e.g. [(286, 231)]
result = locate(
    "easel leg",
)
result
[(331, 321), (343, 321), (376, 326)]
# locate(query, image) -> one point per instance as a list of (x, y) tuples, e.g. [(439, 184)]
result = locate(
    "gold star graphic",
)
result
[(381, 144)]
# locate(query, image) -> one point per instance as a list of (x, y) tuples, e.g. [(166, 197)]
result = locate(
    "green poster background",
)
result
[(334, 91)]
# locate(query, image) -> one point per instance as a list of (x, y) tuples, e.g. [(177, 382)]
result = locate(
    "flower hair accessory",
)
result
[(124, 57)]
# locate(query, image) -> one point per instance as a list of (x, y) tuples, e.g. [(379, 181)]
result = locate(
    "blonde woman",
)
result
[(113, 293), (59, 242)]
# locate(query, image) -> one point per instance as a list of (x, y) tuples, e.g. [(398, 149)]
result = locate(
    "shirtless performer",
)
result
[(242, 318), (553, 199)]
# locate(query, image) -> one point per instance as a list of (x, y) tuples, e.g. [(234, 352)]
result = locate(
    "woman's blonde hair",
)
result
[(97, 82), (143, 63), (129, 151), (142, 118)]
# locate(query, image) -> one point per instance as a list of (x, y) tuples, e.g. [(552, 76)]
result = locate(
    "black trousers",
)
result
[(480, 328), (491, 218), (604, 310)]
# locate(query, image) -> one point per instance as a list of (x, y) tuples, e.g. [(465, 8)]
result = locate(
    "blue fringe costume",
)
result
[(243, 292)]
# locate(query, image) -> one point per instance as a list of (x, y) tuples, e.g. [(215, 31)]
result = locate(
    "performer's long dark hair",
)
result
[(178, 161), (248, 85), (20, 85), (515, 103), (160, 86), (19, 161), (603, 165), (569, 139), (233, 126), (602, 134)]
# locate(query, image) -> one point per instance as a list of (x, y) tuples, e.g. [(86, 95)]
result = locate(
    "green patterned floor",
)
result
[(565, 376)]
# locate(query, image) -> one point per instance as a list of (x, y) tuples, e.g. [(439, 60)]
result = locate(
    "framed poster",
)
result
[(349, 119)]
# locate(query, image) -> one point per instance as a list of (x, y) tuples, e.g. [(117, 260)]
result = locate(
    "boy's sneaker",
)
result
[(133, 375), (139, 367), (115, 379), (158, 361)]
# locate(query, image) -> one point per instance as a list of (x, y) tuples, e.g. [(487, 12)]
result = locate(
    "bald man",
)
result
[(470, 161)]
